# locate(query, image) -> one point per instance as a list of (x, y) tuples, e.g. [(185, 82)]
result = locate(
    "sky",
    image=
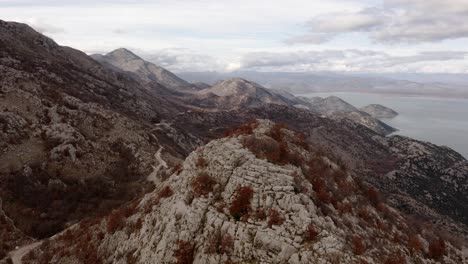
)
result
[(357, 36)]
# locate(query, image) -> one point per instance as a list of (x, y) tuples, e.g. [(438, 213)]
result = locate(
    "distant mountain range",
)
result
[(301, 83)]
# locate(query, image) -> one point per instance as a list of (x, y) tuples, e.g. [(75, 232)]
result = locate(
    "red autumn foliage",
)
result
[(115, 221), (358, 245), (345, 208), (165, 192), (373, 195), (246, 129), (184, 252), (275, 218), (311, 233), (203, 184), (241, 204), (414, 244), (437, 249), (201, 162), (177, 168), (396, 259), (227, 244), (276, 132)]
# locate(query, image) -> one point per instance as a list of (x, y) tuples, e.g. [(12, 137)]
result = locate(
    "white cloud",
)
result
[(353, 61), (223, 35), (408, 21)]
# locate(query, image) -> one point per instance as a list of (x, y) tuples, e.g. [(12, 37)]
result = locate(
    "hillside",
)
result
[(98, 164), (125, 60), (261, 195), (75, 138), (379, 111)]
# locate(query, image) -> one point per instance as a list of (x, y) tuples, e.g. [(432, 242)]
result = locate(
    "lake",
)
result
[(442, 121)]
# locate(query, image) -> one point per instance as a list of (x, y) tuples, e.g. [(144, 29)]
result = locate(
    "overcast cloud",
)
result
[(396, 21), (297, 35)]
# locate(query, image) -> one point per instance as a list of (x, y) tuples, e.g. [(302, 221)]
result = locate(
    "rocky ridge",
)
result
[(145, 71), (231, 202), (379, 111)]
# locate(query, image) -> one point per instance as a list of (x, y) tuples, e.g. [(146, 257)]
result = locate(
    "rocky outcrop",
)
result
[(232, 202), (379, 111)]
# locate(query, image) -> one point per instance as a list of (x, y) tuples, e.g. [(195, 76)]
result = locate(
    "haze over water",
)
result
[(442, 121)]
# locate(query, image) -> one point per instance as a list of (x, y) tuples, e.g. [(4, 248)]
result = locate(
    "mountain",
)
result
[(306, 82), (331, 105), (201, 85), (234, 200), (97, 165), (145, 71), (237, 93), (75, 138), (366, 120), (379, 111)]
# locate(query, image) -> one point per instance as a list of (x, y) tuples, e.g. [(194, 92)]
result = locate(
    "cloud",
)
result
[(184, 60), (363, 20), (311, 38), (399, 21), (352, 61), (41, 26)]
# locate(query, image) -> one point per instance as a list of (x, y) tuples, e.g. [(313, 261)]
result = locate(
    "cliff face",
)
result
[(261, 195)]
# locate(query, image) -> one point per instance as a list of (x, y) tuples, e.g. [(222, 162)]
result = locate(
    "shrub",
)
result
[(396, 259), (184, 252), (165, 192), (365, 214), (358, 246), (227, 244), (414, 244), (241, 204), (115, 221), (310, 233), (345, 208), (437, 249), (260, 214), (201, 162), (203, 184), (275, 218), (246, 129), (177, 168), (373, 195), (276, 132)]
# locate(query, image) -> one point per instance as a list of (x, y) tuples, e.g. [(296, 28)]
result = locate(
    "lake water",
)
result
[(442, 121)]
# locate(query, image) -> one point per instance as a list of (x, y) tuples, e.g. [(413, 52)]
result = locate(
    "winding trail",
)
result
[(18, 254), (160, 164)]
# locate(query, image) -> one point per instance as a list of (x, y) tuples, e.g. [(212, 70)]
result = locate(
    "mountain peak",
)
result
[(123, 53)]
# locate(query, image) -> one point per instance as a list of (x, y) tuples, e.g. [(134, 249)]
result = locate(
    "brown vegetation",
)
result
[(246, 129), (203, 184), (240, 206), (275, 218), (184, 252), (358, 246), (437, 249), (311, 233)]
